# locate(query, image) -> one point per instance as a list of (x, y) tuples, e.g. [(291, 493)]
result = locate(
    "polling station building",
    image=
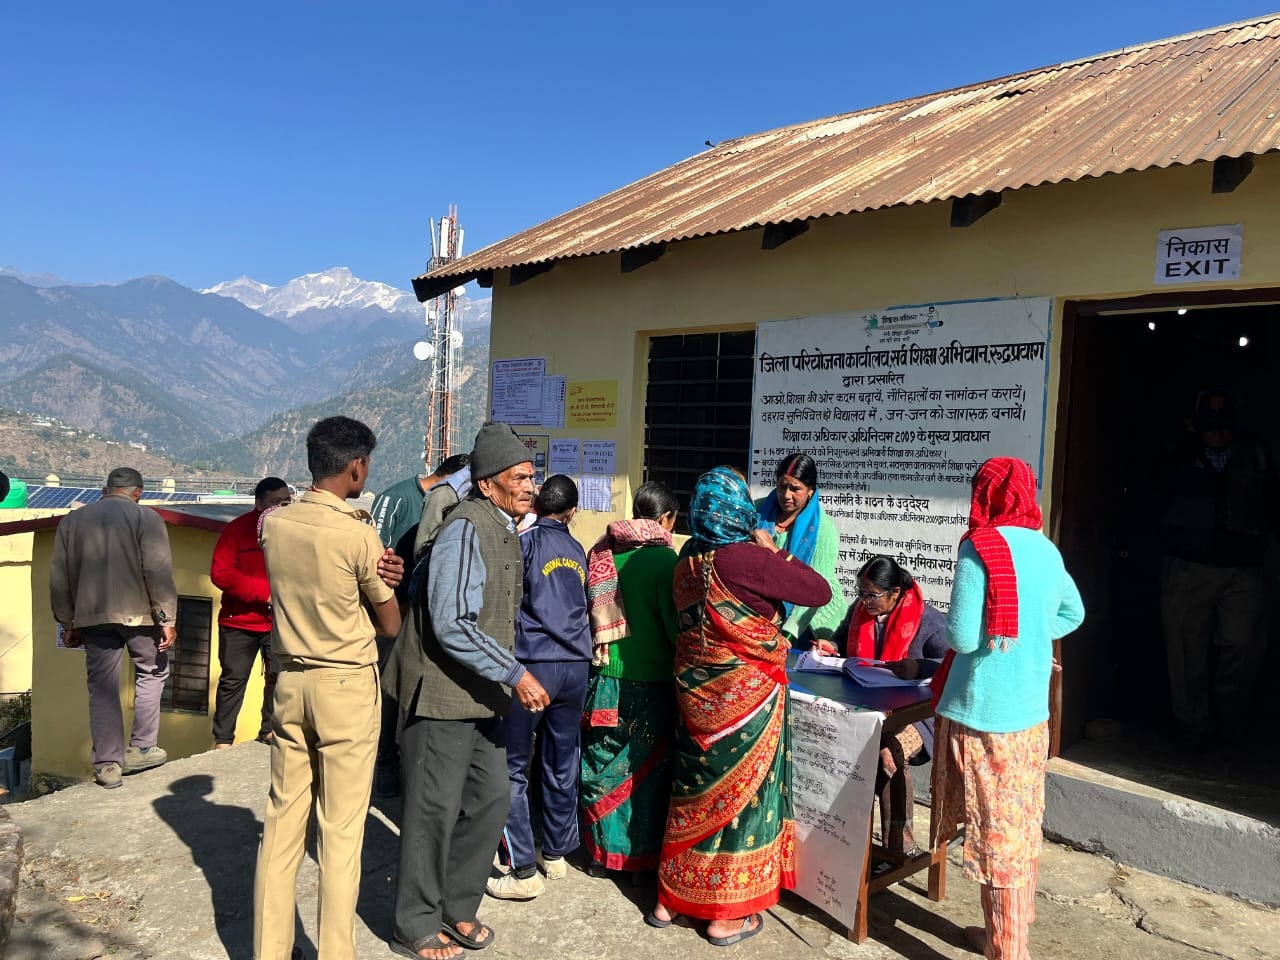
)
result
[(1049, 265)]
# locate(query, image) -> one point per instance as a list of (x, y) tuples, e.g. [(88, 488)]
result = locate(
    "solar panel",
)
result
[(53, 498), (184, 497)]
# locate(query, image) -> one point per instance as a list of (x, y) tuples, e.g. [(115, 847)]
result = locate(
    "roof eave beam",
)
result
[(524, 272), (638, 257), (428, 288), (1229, 172), (776, 234), (485, 279), (966, 211)]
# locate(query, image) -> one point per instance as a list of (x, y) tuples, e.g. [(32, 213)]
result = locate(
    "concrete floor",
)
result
[(163, 868)]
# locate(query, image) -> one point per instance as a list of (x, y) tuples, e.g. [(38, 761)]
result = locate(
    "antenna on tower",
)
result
[(441, 342)]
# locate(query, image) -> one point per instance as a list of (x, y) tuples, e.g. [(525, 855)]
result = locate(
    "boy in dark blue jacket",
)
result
[(553, 641)]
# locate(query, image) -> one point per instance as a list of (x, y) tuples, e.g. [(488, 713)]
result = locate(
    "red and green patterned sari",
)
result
[(729, 845)]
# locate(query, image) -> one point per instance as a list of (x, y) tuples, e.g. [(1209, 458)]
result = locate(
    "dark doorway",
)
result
[(1131, 374)]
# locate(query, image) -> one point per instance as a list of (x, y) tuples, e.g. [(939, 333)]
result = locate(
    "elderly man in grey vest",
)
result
[(454, 672)]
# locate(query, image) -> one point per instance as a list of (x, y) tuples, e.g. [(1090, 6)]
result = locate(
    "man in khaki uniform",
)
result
[(332, 584)]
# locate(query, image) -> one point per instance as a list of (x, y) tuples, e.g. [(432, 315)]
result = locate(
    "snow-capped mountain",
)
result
[(318, 299)]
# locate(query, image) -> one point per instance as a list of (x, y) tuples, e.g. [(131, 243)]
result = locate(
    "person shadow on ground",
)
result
[(223, 839)]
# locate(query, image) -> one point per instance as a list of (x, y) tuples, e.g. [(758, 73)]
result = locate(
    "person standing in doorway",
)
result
[(111, 585), (244, 619), (553, 640), (332, 584), (1220, 508)]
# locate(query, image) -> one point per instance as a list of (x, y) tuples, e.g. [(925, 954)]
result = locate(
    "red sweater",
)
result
[(239, 570)]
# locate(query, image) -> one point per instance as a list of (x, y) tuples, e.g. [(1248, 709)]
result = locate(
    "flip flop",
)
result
[(437, 942), (653, 920), (745, 933), (480, 936)]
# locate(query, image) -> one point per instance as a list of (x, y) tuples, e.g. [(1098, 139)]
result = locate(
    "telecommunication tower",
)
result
[(441, 342)]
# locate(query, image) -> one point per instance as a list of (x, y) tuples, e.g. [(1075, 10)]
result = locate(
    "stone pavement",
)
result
[(164, 868)]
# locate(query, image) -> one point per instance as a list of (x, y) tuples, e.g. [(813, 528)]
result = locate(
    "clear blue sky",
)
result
[(209, 140)]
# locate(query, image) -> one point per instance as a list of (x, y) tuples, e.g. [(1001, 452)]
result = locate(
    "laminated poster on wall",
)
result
[(599, 457), (899, 408), (517, 390)]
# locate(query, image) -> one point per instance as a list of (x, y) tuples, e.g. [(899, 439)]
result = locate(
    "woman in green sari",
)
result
[(729, 846), (630, 717)]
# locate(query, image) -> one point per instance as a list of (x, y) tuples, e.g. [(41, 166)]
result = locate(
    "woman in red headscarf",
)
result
[(1011, 599)]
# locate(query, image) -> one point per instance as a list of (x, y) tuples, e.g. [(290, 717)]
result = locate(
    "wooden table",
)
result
[(900, 706)]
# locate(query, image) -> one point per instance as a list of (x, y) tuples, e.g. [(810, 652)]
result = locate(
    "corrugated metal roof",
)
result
[(1191, 98)]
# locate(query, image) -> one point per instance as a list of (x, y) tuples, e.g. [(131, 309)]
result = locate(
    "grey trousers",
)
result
[(456, 794), (1203, 607), (104, 645)]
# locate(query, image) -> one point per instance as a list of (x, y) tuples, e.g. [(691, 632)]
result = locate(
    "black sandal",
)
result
[(439, 941), (480, 936)]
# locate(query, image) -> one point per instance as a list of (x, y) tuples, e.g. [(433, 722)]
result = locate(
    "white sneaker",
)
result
[(556, 868), (511, 887)]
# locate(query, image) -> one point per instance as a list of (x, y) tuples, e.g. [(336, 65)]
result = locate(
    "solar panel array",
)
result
[(52, 498)]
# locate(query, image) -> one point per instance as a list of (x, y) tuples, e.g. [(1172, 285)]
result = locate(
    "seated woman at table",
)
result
[(891, 621), (1011, 598), (792, 515), (630, 717), (729, 845)]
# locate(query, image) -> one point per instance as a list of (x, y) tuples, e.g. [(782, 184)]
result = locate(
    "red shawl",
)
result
[(1004, 495), (903, 625)]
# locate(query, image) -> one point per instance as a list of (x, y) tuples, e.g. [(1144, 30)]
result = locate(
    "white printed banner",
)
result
[(834, 752), (899, 408)]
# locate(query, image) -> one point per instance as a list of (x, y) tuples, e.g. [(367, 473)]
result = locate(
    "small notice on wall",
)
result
[(565, 456), (539, 450), (553, 390), (595, 493), (591, 403), (599, 457), (1197, 254)]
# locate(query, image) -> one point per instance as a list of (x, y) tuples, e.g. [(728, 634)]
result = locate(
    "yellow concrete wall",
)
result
[(60, 741), (16, 602), (1091, 239)]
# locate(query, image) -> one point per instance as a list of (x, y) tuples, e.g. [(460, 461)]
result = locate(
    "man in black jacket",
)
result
[(1219, 511)]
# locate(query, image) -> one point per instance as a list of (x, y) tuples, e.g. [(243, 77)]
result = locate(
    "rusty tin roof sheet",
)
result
[(1191, 98)]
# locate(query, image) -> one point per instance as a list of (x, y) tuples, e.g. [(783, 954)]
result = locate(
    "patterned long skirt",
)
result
[(993, 783), (626, 770)]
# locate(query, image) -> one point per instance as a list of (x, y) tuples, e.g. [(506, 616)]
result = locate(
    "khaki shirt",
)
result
[(322, 555)]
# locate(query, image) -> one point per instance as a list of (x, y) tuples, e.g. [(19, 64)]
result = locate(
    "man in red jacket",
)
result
[(244, 620)]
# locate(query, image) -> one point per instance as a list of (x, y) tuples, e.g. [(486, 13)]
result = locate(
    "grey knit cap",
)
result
[(497, 448)]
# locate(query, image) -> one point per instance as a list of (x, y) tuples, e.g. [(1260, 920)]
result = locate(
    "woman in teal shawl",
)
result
[(793, 516), (729, 844)]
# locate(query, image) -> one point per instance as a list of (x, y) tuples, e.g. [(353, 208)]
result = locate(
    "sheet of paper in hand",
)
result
[(816, 662), (872, 673)]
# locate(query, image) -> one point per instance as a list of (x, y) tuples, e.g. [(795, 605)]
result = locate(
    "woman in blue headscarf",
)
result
[(794, 518), (729, 844)]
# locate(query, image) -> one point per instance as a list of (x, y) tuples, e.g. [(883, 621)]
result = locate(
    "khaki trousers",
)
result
[(325, 721)]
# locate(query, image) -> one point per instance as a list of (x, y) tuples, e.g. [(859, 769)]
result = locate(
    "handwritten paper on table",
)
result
[(517, 390), (595, 493), (870, 674), (834, 754), (817, 663)]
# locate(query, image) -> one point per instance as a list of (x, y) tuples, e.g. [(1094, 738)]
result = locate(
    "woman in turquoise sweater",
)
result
[(793, 516), (1011, 598)]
